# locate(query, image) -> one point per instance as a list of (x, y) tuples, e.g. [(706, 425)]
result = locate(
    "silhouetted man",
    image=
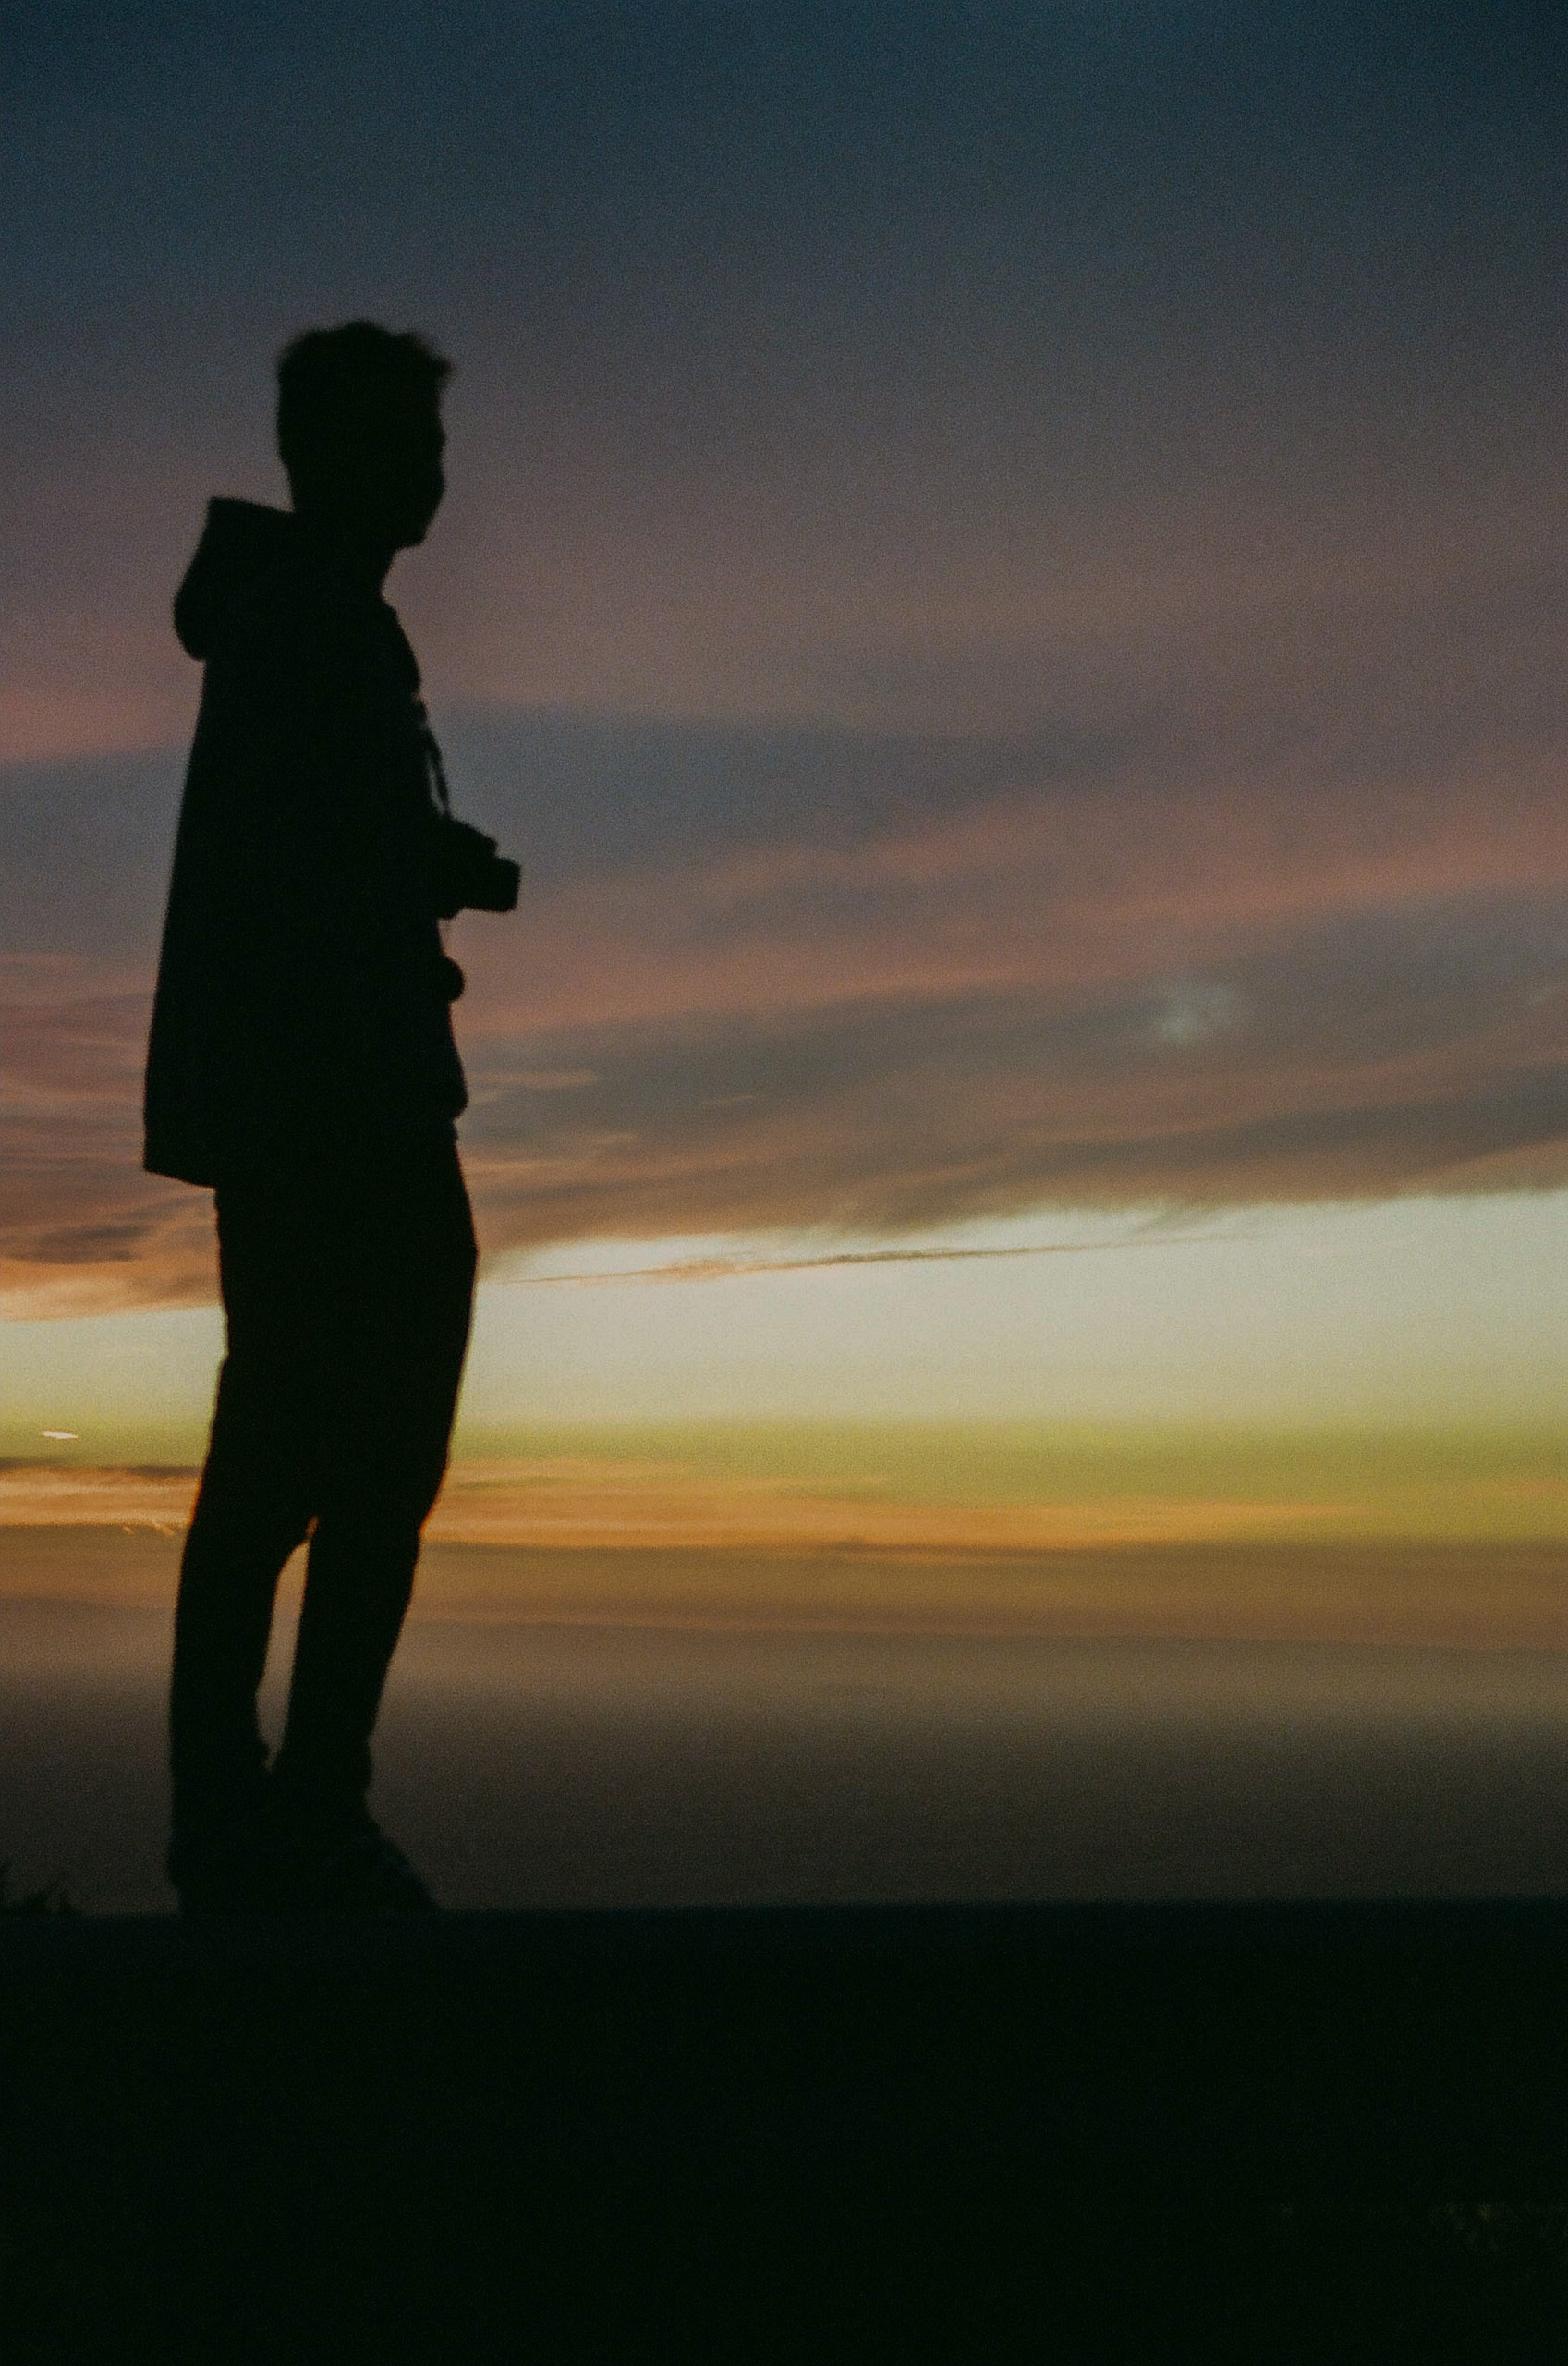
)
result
[(302, 1064)]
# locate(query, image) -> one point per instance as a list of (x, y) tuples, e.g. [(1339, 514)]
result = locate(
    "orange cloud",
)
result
[(1280, 938), (575, 1541)]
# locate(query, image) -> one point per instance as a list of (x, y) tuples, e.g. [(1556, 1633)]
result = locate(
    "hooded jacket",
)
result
[(302, 1007)]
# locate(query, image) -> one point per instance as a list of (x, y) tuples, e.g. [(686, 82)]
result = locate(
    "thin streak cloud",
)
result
[(728, 1269)]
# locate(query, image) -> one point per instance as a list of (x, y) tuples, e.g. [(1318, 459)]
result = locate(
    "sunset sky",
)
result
[(1005, 576)]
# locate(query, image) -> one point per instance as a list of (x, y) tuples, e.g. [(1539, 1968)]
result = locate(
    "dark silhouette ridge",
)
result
[(1303, 2131), (301, 1062)]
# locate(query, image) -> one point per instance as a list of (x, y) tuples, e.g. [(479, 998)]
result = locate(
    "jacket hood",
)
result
[(243, 542)]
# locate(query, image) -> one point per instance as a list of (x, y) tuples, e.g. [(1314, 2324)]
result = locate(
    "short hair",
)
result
[(335, 384)]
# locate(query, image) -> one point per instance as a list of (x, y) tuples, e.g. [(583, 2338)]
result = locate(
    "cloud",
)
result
[(1202, 999), (731, 1269), (84, 1229), (1279, 937), (1193, 1012), (1369, 1061)]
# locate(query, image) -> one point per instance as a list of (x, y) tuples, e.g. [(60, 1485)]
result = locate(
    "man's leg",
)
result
[(252, 1511), (397, 1283)]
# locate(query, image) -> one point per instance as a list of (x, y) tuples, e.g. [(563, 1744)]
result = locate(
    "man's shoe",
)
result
[(336, 1860), (361, 1871), (275, 1857), (282, 1856)]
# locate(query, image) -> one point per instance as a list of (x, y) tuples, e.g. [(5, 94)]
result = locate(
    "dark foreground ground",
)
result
[(1262, 2132)]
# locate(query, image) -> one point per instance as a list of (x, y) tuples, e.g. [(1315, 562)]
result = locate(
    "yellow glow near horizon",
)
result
[(1314, 1422), (1414, 1313)]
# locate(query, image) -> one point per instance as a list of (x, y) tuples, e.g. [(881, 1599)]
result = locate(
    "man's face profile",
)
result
[(385, 483), (411, 479)]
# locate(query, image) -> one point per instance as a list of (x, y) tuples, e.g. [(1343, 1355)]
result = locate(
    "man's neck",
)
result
[(364, 560)]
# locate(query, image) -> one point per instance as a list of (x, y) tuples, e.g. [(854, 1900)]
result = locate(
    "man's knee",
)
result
[(249, 1512), (381, 1513)]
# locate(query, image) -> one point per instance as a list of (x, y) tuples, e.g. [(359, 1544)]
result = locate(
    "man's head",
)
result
[(359, 432)]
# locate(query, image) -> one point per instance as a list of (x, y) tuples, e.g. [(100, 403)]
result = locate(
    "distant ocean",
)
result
[(574, 1762)]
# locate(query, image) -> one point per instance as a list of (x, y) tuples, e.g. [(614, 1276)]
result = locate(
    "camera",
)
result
[(464, 871)]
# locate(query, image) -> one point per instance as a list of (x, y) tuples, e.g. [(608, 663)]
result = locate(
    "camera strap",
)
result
[(433, 765)]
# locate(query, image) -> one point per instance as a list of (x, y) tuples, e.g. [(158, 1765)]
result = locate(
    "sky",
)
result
[(1004, 576)]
